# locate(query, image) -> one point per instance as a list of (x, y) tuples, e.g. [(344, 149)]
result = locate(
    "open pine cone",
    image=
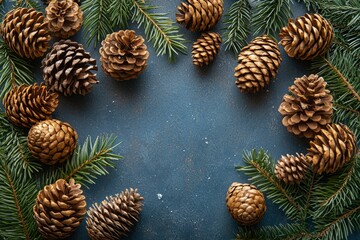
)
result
[(115, 216), (123, 55), (308, 108), (308, 37), (258, 63), (25, 32), (206, 48), (59, 209), (332, 148), (27, 105), (64, 18), (200, 15), (67, 69), (291, 169)]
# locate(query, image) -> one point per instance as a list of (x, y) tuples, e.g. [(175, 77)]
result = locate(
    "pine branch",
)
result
[(159, 30), (237, 22), (270, 16), (280, 232), (28, 4), (120, 12)]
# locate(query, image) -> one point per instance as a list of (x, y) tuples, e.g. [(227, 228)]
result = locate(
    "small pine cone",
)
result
[(245, 203), (52, 141), (332, 148), (115, 216), (308, 37), (291, 169), (206, 48), (64, 18), (25, 32), (309, 108), (67, 68), (123, 55), (59, 209), (27, 105), (258, 63), (200, 15)]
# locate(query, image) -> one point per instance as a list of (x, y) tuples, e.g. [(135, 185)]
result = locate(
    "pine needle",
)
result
[(280, 232), (28, 4), (120, 12)]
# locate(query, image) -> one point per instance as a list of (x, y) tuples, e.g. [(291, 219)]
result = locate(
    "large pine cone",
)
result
[(25, 32), (123, 55), (200, 15), (59, 209), (206, 48), (258, 63), (27, 105), (52, 141), (67, 68), (308, 37), (291, 169), (332, 148), (245, 203), (64, 18), (115, 216), (309, 108)]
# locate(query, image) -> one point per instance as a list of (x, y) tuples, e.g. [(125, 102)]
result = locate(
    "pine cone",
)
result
[(123, 55), (308, 37), (59, 209), (67, 68), (206, 48), (64, 18), (46, 2), (52, 141), (115, 216), (25, 32), (200, 15), (258, 63), (245, 203), (291, 169), (27, 105), (309, 108), (332, 148)]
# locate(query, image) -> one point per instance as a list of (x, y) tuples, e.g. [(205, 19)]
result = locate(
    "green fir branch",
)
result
[(280, 232), (120, 12), (28, 4), (237, 22)]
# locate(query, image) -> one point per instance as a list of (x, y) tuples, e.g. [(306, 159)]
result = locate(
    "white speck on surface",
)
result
[(159, 196), (273, 106), (209, 178), (206, 142), (184, 150), (109, 111), (113, 101)]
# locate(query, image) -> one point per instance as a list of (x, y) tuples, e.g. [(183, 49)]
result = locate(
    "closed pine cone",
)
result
[(67, 69), (200, 15), (245, 203), (206, 48), (27, 105), (64, 18), (308, 37), (52, 141), (332, 148), (123, 55), (291, 169), (308, 108), (25, 32), (258, 63), (115, 216), (59, 209)]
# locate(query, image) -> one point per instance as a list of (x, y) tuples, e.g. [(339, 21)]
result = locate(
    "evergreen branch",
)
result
[(159, 30), (120, 12), (237, 22), (28, 4), (270, 16)]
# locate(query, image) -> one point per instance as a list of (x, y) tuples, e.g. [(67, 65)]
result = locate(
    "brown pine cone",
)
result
[(59, 209), (64, 18), (245, 203), (308, 108), (67, 68), (123, 55), (200, 15), (52, 141), (332, 148), (206, 48), (115, 216), (291, 169), (25, 32), (308, 37), (258, 63), (27, 105), (46, 2)]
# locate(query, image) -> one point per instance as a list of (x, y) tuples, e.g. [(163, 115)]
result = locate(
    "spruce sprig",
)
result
[(279, 232), (120, 12), (27, 4)]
